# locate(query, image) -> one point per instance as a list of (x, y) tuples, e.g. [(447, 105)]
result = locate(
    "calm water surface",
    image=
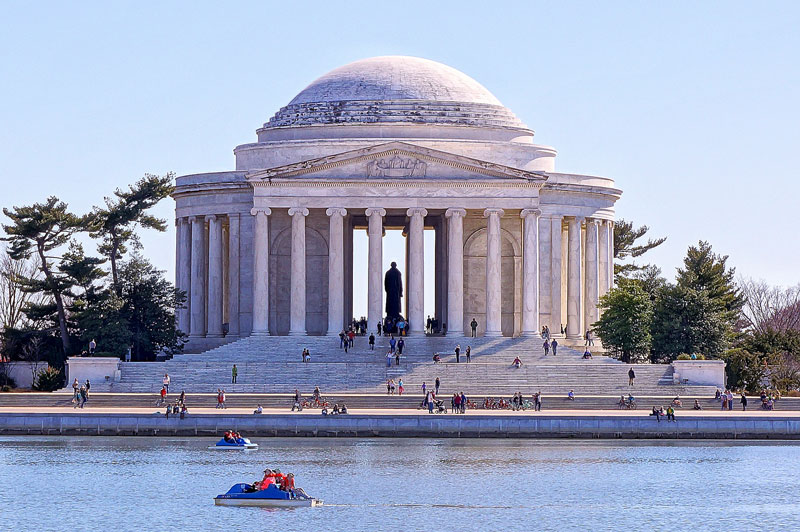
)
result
[(134, 484)]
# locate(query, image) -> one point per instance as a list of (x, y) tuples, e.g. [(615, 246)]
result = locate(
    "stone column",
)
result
[(261, 271), (493, 271), (416, 270), (297, 299), (455, 271), (610, 229), (374, 274), (556, 281), (183, 277), (233, 274), (592, 273), (214, 276), (530, 272), (574, 280), (336, 270), (602, 245), (197, 320)]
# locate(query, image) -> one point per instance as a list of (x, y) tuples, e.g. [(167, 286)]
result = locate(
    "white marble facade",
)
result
[(392, 142)]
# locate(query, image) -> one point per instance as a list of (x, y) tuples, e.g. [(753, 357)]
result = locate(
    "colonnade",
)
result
[(585, 244)]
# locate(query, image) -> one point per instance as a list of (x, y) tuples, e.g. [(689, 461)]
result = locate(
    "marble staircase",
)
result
[(272, 364)]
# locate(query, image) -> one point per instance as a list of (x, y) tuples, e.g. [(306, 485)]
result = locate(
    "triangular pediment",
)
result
[(396, 160)]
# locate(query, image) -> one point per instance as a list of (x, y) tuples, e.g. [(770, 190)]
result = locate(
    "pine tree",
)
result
[(40, 229), (704, 271), (625, 237), (116, 223)]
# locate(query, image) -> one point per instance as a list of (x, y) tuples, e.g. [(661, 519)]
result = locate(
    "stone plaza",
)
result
[(392, 143)]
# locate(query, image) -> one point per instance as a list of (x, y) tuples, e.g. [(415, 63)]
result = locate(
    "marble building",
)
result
[(392, 142)]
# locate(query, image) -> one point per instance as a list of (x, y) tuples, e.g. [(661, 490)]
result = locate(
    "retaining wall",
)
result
[(425, 425)]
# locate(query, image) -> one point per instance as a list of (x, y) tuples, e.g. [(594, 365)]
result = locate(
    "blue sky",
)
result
[(691, 107)]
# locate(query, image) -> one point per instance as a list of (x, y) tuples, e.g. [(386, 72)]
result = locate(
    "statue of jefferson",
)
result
[(393, 284)]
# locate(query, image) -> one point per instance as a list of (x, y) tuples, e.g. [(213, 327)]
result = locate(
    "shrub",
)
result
[(49, 380), (6, 388), (683, 356), (104, 354)]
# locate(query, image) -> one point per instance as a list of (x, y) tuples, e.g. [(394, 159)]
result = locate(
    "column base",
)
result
[(332, 334), (493, 334), (259, 333), (214, 335), (530, 334), (298, 333), (575, 338)]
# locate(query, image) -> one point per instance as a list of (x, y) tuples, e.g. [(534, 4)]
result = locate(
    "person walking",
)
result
[(546, 347), (631, 376), (400, 388), (76, 391), (162, 398), (743, 400), (474, 326), (222, 399), (468, 352), (389, 359), (437, 383), (234, 374), (537, 402), (458, 353), (392, 343), (463, 403), (371, 342), (588, 337), (554, 346), (128, 353), (165, 381), (84, 396), (341, 339), (92, 346), (730, 400), (400, 345), (380, 325)]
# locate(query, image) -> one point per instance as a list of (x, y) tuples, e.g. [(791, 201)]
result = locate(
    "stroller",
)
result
[(440, 408)]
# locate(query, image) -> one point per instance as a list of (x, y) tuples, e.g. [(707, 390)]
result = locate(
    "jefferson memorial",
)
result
[(392, 143)]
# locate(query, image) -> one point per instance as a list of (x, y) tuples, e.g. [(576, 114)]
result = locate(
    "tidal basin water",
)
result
[(135, 484)]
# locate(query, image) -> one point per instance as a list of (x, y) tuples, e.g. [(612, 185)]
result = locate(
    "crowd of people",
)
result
[(80, 393)]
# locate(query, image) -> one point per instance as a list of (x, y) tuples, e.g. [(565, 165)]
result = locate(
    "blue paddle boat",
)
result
[(246, 495), (234, 444)]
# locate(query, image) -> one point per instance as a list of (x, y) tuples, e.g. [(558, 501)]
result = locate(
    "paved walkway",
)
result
[(382, 412)]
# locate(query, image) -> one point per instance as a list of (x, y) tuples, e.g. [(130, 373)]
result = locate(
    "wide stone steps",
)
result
[(273, 365)]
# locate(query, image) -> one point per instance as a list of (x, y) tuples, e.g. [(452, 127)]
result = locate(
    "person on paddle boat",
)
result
[(228, 436)]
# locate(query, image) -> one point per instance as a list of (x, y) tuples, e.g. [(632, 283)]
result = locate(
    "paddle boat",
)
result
[(234, 443), (246, 495)]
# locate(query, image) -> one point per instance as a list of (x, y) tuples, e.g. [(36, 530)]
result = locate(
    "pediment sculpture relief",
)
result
[(396, 167)]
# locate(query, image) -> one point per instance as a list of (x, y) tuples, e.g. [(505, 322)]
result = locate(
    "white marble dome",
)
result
[(395, 89)]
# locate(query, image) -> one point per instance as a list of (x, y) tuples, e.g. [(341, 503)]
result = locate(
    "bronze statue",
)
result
[(393, 284)]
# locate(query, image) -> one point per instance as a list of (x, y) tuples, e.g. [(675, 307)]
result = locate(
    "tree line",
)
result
[(55, 298), (705, 313)]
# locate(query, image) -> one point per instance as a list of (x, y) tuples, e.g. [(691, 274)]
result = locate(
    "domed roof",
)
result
[(395, 89)]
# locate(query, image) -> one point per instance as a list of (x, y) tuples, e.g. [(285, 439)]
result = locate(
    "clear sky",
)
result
[(692, 107)]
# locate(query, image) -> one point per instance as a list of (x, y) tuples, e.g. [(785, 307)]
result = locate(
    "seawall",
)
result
[(411, 426)]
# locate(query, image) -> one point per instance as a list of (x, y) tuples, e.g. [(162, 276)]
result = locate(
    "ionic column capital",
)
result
[(529, 212), (578, 219), (594, 221), (417, 211), (232, 215), (298, 211), (334, 211), (255, 211), (211, 218), (455, 213), (493, 211), (193, 219), (375, 211)]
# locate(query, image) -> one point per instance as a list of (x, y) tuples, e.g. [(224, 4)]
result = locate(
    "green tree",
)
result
[(625, 246), (40, 229), (744, 369), (687, 321), (149, 306), (115, 224), (705, 271), (624, 325)]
